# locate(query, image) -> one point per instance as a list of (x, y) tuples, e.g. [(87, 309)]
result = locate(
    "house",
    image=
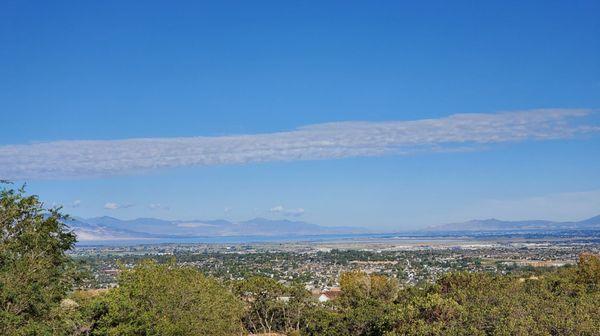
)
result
[(329, 295)]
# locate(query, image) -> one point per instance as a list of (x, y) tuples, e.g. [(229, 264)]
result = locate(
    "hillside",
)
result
[(110, 228), (524, 225)]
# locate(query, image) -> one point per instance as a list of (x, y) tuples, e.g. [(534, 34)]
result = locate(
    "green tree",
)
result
[(35, 271), (358, 286), (265, 304), (166, 300), (588, 270)]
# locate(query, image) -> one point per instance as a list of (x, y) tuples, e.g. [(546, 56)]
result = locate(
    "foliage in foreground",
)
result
[(562, 302), (166, 300), (35, 272)]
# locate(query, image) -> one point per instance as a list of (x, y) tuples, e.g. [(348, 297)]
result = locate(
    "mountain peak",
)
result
[(591, 220), (106, 227), (104, 218), (493, 224)]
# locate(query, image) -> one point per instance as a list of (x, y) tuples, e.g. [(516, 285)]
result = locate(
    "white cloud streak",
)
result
[(91, 158), (115, 206), (287, 212)]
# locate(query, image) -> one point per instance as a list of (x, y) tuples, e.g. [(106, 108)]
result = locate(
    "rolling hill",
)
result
[(524, 225), (110, 228)]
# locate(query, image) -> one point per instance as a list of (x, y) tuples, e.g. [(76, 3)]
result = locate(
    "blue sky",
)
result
[(381, 82)]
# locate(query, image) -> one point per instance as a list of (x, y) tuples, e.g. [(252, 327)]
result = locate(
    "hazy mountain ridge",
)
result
[(493, 224), (95, 231), (110, 228)]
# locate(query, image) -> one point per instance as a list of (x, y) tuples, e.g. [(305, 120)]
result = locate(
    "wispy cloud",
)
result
[(115, 206), (76, 204), (88, 158), (297, 212)]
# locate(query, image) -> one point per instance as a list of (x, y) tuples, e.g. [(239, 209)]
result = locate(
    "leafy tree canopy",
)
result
[(165, 300), (35, 271)]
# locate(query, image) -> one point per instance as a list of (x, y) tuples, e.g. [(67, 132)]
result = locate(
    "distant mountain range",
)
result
[(525, 225), (109, 228)]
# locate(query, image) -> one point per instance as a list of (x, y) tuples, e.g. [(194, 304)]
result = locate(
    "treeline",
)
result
[(37, 296)]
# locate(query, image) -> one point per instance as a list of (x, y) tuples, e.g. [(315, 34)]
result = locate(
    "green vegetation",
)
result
[(166, 300), (271, 306), (35, 272), (38, 296)]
